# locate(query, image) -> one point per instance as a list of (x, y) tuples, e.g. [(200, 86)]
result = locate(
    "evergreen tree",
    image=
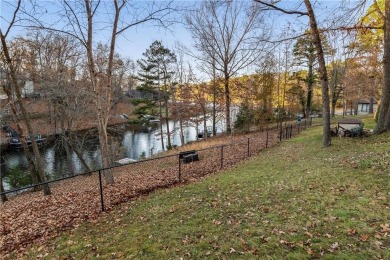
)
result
[(245, 118), (156, 70), (306, 55), (147, 102)]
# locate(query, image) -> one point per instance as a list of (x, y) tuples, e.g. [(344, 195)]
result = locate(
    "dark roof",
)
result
[(350, 121), (364, 101)]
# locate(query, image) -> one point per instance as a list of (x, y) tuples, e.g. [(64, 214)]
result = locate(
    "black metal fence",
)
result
[(289, 130), (146, 175), (86, 195)]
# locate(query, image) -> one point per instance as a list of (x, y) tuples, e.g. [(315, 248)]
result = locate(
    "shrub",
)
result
[(17, 178), (245, 118)]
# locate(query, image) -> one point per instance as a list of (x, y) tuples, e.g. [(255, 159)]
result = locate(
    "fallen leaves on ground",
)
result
[(30, 217)]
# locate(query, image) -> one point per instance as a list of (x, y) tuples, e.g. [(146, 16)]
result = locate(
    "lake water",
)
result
[(135, 142)]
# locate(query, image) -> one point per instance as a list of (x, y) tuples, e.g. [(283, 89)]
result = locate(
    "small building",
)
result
[(363, 107), (27, 85)]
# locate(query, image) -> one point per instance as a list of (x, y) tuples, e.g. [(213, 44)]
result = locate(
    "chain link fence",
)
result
[(84, 196)]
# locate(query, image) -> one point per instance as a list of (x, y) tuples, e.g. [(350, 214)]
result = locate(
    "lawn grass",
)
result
[(294, 201)]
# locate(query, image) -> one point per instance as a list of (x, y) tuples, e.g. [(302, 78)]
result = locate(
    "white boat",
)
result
[(151, 119), (125, 161)]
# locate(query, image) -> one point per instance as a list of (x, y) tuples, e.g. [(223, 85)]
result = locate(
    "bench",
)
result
[(188, 156)]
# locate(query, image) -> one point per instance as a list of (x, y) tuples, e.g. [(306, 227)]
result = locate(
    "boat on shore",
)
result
[(16, 142), (125, 161)]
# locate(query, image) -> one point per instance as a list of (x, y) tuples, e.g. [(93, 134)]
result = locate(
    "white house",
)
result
[(27, 85), (363, 107)]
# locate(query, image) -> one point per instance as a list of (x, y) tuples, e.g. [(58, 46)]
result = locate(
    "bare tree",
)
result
[(316, 38), (53, 60), (9, 90), (83, 20), (214, 90), (326, 139), (228, 36), (177, 92), (19, 101)]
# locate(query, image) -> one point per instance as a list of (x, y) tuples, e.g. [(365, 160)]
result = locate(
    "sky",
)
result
[(132, 43), (137, 39)]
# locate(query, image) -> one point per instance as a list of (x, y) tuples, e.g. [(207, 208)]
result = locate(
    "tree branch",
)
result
[(13, 18), (273, 6)]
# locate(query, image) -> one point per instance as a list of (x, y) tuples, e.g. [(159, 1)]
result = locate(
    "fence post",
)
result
[(281, 132), (286, 134), (248, 147), (311, 121), (101, 190), (179, 169), (266, 140), (221, 156), (291, 130)]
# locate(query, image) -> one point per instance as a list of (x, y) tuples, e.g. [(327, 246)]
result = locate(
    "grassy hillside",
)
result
[(294, 201)]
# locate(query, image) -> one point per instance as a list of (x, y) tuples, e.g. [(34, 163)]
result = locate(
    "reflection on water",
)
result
[(134, 142)]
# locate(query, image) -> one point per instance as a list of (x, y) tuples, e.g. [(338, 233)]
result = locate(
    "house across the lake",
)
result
[(359, 107), (363, 107)]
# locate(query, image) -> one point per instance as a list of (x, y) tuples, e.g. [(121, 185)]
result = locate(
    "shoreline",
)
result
[(52, 135)]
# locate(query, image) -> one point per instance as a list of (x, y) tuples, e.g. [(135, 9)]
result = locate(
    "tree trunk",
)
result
[(182, 141), (371, 106), (196, 126), (169, 144), (104, 150), (102, 88), (78, 153), (214, 101), (383, 123), (227, 105), (333, 109), (161, 128), (326, 137), (31, 165), (310, 81), (3, 196), (65, 143), (179, 114), (356, 107), (205, 123), (108, 90), (38, 160)]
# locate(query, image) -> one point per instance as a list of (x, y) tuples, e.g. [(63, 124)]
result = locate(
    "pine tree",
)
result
[(306, 55), (155, 77)]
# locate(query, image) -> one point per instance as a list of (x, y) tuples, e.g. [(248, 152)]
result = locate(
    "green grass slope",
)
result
[(294, 201)]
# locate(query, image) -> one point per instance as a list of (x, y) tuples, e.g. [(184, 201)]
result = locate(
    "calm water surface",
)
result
[(134, 142)]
